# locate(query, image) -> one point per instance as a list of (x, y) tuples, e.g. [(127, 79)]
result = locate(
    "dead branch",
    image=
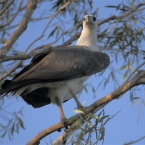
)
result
[(138, 79)]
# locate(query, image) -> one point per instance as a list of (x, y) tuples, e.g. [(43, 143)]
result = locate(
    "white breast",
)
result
[(57, 89), (62, 91)]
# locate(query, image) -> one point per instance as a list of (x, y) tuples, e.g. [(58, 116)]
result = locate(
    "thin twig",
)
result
[(8, 28), (137, 32), (133, 142), (5, 8), (122, 16), (21, 28), (14, 15), (12, 70), (46, 27), (76, 36), (134, 71)]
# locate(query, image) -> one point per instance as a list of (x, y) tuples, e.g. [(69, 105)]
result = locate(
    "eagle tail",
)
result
[(37, 98), (5, 89)]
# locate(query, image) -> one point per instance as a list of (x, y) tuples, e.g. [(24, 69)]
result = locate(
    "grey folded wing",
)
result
[(59, 65)]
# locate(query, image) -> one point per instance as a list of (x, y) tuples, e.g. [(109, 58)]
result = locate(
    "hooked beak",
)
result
[(88, 20)]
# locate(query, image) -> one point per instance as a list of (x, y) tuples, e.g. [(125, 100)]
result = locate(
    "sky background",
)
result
[(124, 127)]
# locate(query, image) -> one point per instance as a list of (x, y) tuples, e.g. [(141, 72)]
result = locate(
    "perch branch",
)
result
[(138, 79)]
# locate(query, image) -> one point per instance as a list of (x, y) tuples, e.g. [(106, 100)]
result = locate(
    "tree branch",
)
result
[(138, 79), (21, 27), (135, 71), (122, 16), (5, 8), (76, 36), (46, 27), (61, 140), (13, 16), (133, 142), (41, 49), (9, 72)]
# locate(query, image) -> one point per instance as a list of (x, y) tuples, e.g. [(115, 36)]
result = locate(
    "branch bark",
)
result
[(138, 79)]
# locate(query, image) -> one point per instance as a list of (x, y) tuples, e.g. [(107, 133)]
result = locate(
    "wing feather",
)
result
[(61, 64), (64, 64)]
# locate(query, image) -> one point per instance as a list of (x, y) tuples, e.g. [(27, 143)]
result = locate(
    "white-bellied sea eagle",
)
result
[(59, 75)]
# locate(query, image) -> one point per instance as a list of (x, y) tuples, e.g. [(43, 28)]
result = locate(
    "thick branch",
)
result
[(61, 140), (21, 27), (138, 79), (56, 127)]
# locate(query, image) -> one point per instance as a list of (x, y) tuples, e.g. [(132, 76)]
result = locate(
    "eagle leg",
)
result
[(76, 100), (62, 116)]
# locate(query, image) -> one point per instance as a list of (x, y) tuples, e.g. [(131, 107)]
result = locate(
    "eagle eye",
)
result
[(84, 19), (94, 19)]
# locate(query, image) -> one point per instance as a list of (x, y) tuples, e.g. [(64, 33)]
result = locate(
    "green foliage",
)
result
[(12, 123), (93, 124), (78, 111)]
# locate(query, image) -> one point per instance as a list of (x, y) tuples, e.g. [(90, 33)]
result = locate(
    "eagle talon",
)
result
[(82, 108), (64, 122)]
